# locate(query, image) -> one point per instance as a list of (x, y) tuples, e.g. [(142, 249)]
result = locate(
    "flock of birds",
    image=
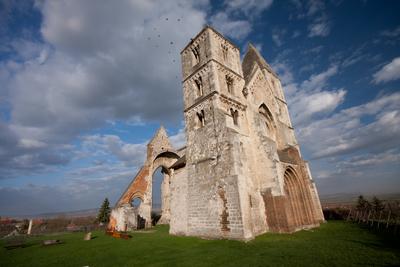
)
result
[(158, 36)]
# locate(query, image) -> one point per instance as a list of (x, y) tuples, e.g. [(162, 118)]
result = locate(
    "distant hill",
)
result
[(340, 198), (69, 214), (350, 198)]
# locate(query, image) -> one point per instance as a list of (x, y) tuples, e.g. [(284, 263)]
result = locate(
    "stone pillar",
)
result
[(30, 226)]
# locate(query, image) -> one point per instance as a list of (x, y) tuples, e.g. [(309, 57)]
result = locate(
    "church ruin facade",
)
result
[(241, 173)]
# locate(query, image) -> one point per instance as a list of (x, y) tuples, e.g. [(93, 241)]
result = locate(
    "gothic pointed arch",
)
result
[(160, 153), (266, 116), (298, 198)]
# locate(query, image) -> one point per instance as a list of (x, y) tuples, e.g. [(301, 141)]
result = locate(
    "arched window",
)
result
[(135, 202), (266, 115), (196, 53), (201, 121), (235, 116), (199, 85), (229, 84), (224, 51)]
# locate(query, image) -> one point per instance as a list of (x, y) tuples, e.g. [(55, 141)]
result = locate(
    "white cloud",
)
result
[(178, 140), (311, 98), (248, 7), (236, 29), (355, 149), (258, 46), (285, 73), (93, 67), (278, 35), (315, 6), (319, 27), (344, 132), (236, 19), (318, 81), (389, 72), (129, 154), (371, 160), (314, 50), (391, 33), (308, 105), (314, 11)]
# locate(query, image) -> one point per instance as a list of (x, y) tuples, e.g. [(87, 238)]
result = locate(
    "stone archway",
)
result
[(298, 199), (161, 213), (160, 153)]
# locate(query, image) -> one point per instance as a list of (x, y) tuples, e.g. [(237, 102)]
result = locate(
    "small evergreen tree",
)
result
[(362, 203), (377, 204), (104, 212)]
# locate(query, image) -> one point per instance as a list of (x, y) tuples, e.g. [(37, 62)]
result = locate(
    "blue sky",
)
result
[(85, 84)]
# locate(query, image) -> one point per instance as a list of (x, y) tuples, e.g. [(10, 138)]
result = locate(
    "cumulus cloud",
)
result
[(355, 149), (236, 29), (318, 81), (90, 68), (389, 72), (344, 133), (235, 20), (179, 139), (311, 98), (129, 154), (306, 106), (351, 149)]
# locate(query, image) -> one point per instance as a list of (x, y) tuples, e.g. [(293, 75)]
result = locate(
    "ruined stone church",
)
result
[(241, 173)]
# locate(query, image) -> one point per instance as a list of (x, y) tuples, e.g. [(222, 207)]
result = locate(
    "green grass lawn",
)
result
[(333, 244)]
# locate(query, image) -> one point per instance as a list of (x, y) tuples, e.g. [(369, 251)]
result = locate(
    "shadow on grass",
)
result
[(11, 247)]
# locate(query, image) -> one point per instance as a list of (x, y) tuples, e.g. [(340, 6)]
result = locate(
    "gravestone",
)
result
[(88, 236)]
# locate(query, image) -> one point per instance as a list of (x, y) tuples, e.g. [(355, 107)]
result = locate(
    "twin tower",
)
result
[(241, 173), (245, 172)]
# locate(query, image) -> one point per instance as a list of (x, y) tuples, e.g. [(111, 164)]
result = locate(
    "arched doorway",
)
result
[(160, 156), (160, 196), (136, 203), (296, 193)]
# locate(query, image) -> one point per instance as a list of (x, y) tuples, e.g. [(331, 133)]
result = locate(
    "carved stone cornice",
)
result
[(232, 102)]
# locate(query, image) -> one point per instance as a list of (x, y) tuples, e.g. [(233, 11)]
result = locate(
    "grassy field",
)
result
[(333, 244)]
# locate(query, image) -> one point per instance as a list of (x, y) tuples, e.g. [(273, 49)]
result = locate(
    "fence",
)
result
[(381, 221)]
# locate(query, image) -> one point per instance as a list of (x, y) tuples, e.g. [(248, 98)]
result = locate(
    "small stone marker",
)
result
[(30, 227), (88, 236), (51, 242)]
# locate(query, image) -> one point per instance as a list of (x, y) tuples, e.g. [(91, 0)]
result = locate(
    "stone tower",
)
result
[(240, 145), (241, 173), (212, 90)]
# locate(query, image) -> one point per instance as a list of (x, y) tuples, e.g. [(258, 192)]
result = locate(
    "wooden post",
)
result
[(348, 215), (372, 220), (379, 220), (387, 222), (369, 215)]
